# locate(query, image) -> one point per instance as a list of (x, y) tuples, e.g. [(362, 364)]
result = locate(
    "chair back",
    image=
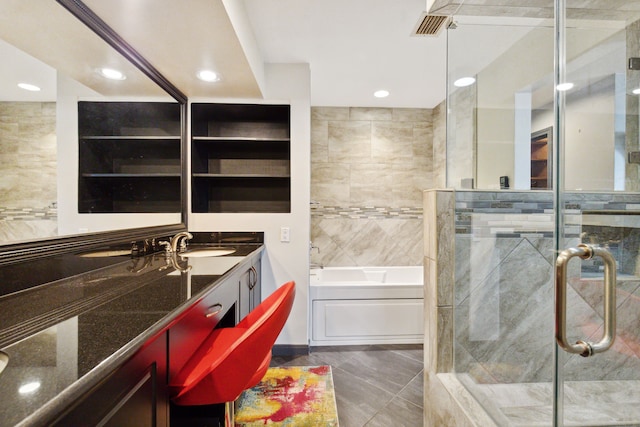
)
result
[(224, 365)]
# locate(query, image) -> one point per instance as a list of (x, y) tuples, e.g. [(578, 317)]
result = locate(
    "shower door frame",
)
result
[(561, 376)]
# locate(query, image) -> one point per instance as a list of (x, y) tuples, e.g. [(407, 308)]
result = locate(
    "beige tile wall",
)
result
[(28, 190), (369, 167), (28, 154)]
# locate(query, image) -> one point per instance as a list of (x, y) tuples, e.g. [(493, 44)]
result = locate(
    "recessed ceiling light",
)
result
[(636, 91), (208, 76), (464, 81), (564, 86), (381, 93), (30, 87), (29, 387), (112, 74)]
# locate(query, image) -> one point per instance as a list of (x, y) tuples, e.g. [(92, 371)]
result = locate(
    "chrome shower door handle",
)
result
[(585, 348)]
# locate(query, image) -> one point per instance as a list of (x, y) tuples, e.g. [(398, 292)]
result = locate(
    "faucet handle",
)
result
[(167, 247)]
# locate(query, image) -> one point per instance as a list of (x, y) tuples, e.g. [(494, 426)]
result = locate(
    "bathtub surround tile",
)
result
[(371, 185), (377, 162), (370, 114), (409, 233), (333, 181), (411, 115), (350, 142), (320, 138), (392, 142), (329, 113), (364, 241), (18, 230), (28, 141)]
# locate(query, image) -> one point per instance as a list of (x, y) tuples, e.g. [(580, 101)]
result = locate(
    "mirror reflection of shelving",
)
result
[(129, 157), (541, 159), (240, 158)]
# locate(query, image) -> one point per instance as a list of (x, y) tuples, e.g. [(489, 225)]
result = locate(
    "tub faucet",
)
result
[(180, 239)]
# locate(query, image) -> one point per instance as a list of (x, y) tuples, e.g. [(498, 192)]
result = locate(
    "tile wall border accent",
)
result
[(365, 212), (531, 213), (28, 214)]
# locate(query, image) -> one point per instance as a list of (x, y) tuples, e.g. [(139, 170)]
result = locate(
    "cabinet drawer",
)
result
[(198, 322)]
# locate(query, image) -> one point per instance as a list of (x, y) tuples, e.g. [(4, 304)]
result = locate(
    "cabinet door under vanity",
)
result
[(135, 395)]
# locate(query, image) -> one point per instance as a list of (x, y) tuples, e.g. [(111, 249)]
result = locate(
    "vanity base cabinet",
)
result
[(135, 395), (249, 284)]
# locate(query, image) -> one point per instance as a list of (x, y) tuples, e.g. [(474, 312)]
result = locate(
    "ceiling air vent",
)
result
[(430, 25)]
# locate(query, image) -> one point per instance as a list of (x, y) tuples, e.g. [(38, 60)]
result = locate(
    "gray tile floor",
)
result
[(376, 386)]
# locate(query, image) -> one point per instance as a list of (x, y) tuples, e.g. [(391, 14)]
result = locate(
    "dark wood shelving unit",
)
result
[(240, 158), (129, 157), (541, 159)]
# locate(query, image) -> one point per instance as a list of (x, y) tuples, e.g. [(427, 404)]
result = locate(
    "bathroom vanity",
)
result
[(100, 348)]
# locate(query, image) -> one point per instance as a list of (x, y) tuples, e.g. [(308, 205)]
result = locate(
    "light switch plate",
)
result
[(285, 234)]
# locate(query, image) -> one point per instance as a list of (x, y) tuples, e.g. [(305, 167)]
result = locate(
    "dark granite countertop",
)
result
[(68, 334)]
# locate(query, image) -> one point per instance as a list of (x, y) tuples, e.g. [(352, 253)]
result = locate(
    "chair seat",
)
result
[(230, 360)]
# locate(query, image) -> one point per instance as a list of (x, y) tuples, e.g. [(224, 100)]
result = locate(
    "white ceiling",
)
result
[(354, 47)]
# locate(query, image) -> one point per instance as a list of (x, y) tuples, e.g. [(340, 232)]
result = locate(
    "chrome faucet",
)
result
[(180, 239)]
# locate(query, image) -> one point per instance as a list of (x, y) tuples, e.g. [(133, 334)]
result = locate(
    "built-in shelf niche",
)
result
[(129, 157), (240, 158)]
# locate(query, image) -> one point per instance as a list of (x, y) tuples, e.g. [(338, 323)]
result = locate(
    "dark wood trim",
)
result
[(104, 31), (25, 251), (186, 196)]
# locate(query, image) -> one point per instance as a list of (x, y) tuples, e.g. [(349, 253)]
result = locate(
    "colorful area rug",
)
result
[(290, 396)]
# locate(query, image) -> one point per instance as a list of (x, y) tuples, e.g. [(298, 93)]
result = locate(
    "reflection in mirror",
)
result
[(494, 124), (46, 46)]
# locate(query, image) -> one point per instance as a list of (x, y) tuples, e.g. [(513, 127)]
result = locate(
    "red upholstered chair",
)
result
[(231, 360)]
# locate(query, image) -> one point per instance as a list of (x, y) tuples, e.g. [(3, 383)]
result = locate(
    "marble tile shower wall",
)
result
[(28, 162), (504, 309), (368, 169)]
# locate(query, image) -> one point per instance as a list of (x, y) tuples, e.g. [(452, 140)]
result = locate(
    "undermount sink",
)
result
[(206, 252), (106, 253)]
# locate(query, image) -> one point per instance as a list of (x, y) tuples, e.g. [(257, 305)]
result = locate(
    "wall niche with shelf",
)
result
[(541, 159), (129, 157), (240, 158)]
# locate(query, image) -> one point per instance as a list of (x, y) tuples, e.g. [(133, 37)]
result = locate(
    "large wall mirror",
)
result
[(44, 45)]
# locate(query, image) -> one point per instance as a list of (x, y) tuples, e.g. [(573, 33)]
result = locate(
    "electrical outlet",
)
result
[(285, 234)]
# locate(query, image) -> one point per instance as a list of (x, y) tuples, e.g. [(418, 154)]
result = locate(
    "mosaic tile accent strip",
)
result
[(365, 212), (531, 214), (23, 214)]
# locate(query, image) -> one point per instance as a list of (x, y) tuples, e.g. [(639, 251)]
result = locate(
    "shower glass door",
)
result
[(597, 203)]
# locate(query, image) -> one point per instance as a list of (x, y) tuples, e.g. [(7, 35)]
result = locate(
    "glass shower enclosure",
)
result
[(543, 149)]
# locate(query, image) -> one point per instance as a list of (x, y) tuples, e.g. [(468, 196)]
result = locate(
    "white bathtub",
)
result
[(366, 305)]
